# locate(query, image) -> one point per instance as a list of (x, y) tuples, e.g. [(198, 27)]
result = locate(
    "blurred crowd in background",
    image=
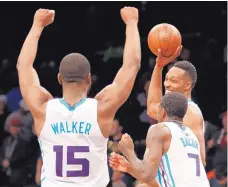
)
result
[(96, 30)]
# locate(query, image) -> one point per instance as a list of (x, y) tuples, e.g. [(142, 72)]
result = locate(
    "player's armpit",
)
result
[(146, 171), (194, 121)]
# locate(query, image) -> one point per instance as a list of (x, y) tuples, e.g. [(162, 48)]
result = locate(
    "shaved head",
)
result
[(74, 68), (175, 104)]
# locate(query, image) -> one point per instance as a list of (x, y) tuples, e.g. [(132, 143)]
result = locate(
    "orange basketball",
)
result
[(165, 37)]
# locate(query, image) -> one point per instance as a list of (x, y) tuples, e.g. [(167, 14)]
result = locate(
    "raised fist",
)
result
[(44, 17), (129, 15)]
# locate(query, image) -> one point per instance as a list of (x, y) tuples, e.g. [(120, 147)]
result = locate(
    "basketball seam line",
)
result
[(169, 38), (159, 40)]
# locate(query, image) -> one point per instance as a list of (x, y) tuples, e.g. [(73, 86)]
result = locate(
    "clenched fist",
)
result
[(129, 15), (126, 145), (43, 17)]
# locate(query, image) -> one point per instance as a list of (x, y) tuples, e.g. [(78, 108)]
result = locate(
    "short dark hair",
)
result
[(189, 68), (74, 67), (175, 104)]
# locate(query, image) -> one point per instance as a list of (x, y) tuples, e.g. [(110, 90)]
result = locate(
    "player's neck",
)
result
[(188, 96), (73, 93), (175, 119)]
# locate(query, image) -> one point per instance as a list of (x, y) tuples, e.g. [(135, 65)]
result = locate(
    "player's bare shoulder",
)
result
[(159, 134), (159, 131), (193, 117), (193, 110)]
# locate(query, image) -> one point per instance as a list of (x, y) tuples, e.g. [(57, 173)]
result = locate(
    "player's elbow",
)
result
[(137, 59), (23, 65), (203, 159), (137, 63), (19, 64), (151, 112), (204, 162)]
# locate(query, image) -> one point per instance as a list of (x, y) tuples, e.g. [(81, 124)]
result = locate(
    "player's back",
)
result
[(181, 166), (73, 148)]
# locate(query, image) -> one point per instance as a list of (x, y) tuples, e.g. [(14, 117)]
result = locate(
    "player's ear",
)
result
[(188, 86), (89, 79), (59, 79), (163, 114)]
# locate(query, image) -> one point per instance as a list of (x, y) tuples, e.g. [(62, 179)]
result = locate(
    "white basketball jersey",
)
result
[(73, 148), (190, 102), (181, 166)]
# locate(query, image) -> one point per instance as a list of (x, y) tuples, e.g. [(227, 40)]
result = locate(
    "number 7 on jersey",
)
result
[(197, 158)]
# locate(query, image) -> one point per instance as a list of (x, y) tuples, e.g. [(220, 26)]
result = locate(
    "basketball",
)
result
[(165, 37)]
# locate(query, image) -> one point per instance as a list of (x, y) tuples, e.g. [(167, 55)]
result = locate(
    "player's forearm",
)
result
[(132, 49), (131, 57), (137, 170), (29, 48), (155, 92)]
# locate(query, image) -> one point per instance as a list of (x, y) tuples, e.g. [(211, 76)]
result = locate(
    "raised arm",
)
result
[(155, 89), (146, 170), (116, 94), (34, 95)]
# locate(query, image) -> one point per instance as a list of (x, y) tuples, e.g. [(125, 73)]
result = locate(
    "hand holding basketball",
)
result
[(164, 40), (44, 17), (129, 15), (161, 61)]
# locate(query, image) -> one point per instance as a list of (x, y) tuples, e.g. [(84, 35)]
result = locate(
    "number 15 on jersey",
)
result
[(71, 160)]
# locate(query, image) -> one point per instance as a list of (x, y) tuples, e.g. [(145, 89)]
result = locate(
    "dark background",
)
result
[(92, 27), (87, 27)]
